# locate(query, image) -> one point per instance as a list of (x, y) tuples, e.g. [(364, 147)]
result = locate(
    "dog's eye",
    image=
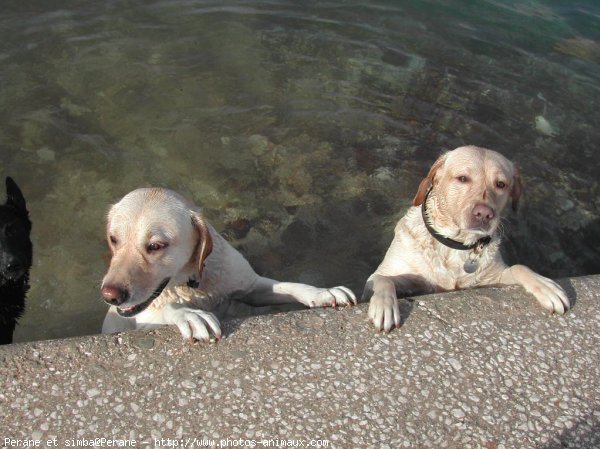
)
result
[(113, 240), (501, 185), (155, 246), (463, 179)]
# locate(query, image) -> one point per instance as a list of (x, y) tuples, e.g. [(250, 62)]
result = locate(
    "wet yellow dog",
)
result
[(449, 239), (169, 266)]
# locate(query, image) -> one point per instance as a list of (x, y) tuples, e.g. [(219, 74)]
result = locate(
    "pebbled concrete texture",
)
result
[(484, 368)]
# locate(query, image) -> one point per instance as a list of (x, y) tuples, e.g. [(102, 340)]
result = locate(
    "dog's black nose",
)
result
[(114, 295)]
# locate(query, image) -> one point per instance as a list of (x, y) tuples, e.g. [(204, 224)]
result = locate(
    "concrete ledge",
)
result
[(483, 368)]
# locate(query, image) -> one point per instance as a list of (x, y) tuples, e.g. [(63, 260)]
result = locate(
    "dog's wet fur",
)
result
[(16, 251)]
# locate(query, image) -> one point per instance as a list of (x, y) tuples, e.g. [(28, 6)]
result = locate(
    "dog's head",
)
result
[(156, 238), (15, 227), (467, 190)]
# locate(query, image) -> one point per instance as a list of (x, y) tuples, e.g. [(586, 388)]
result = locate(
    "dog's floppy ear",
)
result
[(205, 245), (427, 182), (515, 191), (14, 197)]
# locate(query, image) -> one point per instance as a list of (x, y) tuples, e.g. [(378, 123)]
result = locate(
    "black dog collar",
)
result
[(193, 283), (448, 241)]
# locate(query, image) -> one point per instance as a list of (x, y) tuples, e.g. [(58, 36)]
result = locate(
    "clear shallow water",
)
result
[(303, 128)]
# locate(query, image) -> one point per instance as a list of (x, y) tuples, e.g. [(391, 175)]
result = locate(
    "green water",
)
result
[(302, 128)]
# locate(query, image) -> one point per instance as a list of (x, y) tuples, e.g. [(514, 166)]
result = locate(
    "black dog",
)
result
[(15, 259)]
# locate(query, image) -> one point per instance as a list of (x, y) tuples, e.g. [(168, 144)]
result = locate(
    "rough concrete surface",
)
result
[(483, 368)]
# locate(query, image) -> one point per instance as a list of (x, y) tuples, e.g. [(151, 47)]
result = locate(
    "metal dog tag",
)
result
[(471, 265)]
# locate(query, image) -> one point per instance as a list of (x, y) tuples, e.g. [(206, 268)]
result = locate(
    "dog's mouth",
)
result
[(134, 310), (481, 230)]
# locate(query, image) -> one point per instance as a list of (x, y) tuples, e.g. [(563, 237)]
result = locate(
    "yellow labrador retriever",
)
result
[(448, 240), (169, 266)]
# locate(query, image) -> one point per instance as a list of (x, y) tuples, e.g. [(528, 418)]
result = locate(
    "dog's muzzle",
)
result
[(131, 311)]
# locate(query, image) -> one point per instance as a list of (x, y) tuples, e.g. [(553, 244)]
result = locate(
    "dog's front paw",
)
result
[(384, 312), (333, 297), (193, 323), (548, 293)]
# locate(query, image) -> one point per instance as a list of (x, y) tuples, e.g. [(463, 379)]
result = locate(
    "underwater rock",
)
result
[(383, 174), (46, 154), (294, 180), (73, 109), (380, 205), (256, 244), (366, 159), (258, 144), (267, 262), (580, 47), (297, 235), (565, 204), (158, 150), (238, 229), (544, 127)]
